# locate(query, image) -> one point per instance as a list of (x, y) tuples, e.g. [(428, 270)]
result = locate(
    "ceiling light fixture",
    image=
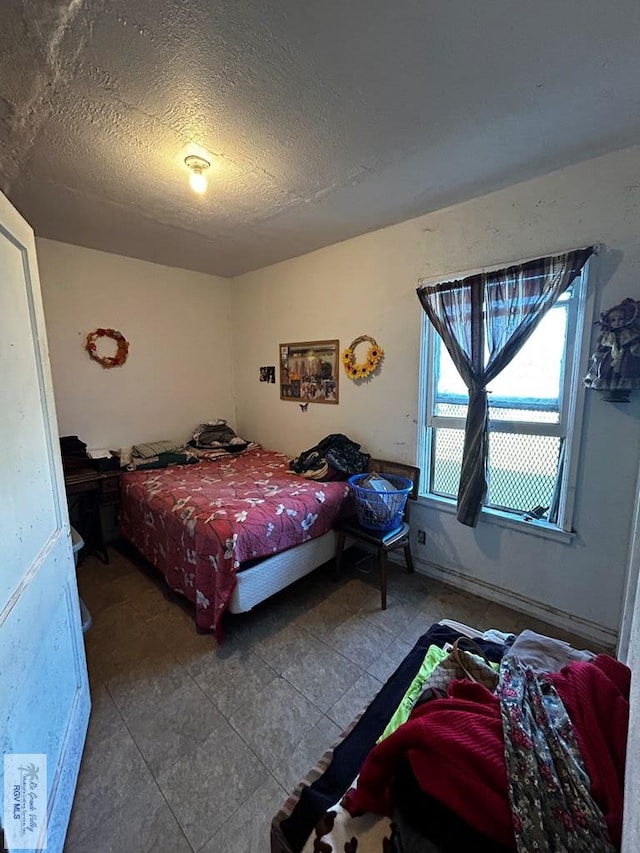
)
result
[(198, 165)]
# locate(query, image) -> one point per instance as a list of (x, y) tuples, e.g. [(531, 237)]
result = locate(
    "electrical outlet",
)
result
[(421, 537)]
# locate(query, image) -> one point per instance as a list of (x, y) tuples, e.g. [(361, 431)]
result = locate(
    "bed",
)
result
[(428, 817), (229, 533)]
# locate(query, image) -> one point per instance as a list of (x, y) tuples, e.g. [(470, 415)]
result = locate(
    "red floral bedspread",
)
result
[(198, 523)]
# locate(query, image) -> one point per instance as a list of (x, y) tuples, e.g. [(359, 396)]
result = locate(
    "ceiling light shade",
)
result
[(198, 182), (197, 179)]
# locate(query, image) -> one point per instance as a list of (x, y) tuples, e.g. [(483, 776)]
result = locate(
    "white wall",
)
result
[(367, 285), (179, 369)]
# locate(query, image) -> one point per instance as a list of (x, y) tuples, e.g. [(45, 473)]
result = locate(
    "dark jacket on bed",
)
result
[(335, 451)]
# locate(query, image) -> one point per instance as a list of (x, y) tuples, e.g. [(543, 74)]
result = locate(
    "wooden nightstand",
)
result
[(88, 491)]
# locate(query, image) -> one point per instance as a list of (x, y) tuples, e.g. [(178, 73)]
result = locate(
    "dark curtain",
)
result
[(497, 312)]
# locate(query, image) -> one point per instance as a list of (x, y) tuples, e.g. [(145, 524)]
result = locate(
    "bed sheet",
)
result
[(198, 523)]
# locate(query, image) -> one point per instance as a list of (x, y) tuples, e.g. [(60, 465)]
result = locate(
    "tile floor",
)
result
[(192, 747)]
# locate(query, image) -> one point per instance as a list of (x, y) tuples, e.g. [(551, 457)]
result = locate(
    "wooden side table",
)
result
[(88, 490)]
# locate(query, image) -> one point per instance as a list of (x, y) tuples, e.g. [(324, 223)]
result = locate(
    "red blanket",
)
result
[(198, 523), (456, 750)]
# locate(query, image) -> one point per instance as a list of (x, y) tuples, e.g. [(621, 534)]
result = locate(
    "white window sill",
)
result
[(503, 519)]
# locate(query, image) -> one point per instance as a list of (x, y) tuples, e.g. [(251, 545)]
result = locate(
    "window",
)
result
[(533, 420)]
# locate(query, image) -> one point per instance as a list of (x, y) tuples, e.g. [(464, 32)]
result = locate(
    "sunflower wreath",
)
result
[(364, 369), (107, 361)]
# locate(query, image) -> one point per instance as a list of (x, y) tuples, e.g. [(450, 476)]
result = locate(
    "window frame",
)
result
[(572, 395)]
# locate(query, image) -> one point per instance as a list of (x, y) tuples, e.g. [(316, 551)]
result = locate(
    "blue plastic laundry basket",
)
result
[(380, 510)]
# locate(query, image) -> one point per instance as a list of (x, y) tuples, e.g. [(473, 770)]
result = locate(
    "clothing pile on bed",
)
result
[(210, 440), (214, 439), (336, 457), (533, 761)]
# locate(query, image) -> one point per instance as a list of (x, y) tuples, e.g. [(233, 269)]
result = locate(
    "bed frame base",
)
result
[(275, 573)]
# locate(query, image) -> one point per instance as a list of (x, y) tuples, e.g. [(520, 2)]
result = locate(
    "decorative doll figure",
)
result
[(615, 365)]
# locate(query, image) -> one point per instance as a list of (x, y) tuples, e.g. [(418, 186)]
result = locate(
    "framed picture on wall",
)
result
[(309, 371)]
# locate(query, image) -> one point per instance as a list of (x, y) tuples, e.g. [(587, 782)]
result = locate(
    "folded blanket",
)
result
[(154, 448), (212, 454)]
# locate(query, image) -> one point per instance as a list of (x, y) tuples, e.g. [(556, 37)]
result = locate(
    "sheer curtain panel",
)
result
[(484, 320)]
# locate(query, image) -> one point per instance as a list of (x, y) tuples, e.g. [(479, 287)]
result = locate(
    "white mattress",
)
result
[(275, 573)]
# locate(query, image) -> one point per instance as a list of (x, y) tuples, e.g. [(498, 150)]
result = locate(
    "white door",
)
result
[(629, 652), (44, 691)]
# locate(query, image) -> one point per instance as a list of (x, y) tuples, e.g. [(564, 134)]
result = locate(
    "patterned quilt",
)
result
[(198, 523)]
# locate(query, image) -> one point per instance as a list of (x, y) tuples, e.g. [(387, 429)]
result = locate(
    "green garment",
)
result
[(433, 657)]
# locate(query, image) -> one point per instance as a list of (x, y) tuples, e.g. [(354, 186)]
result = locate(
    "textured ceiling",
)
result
[(322, 118)]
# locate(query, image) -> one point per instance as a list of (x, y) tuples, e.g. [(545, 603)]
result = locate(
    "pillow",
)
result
[(154, 448)]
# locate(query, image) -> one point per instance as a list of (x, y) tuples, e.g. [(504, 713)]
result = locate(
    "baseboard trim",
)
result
[(567, 621)]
